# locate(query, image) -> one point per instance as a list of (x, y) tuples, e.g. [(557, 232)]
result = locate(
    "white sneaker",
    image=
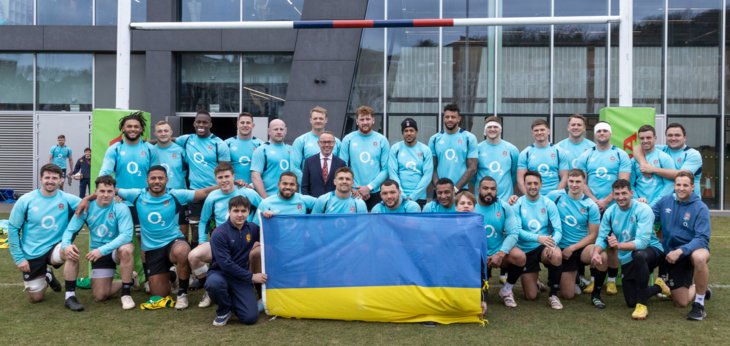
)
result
[(508, 298), (127, 302), (182, 301), (555, 303), (205, 301), (578, 291)]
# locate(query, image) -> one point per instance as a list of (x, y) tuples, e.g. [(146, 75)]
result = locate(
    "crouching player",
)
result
[(628, 226), (230, 282), (110, 227), (580, 220), (502, 230)]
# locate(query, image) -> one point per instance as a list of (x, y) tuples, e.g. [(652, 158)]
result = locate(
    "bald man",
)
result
[(272, 159)]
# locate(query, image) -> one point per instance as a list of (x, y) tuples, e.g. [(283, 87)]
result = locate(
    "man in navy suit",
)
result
[(318, 171)]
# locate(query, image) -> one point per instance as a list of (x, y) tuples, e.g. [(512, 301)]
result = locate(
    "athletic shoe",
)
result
[(598, 303), (222, 320), (541, 286), (157, 302), (555, 303), (127, 303), (663, 285), (53, 282), (698, 312), (611, 288), (508, 298), (640, 312), (205, 300), (589, 287), (708, 294), (578, 290), (503, 279), (182, 301), (73, 304)]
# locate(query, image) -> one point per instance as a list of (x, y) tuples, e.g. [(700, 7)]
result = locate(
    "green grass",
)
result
[(531, 323)]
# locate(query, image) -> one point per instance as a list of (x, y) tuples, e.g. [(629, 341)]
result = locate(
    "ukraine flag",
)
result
[(375, 267)]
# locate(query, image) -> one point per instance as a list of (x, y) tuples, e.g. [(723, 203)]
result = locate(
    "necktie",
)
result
[(325, 170)]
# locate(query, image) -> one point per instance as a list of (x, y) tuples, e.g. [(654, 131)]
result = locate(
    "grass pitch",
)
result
[(531, 323)]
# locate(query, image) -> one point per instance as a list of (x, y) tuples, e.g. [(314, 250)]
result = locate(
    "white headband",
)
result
[(602, 126), (492, 123)]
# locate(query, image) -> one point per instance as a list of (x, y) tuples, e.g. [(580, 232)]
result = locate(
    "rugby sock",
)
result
[(146, 270), (554, 279), (183, 284), (49, 275), (70, 288), (513, 273), (700, 298), (126, 288), (173, 276), (612, 274), (654, 290), (507, 287), (598, 284)]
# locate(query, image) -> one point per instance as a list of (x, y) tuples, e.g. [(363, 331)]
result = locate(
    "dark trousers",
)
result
[(232, 296), (636, 276), (83, 187), (373, 200)]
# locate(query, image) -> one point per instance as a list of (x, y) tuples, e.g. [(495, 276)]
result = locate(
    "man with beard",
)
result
[(242, 147), (580, 220), (130, 159), (540, 234), (454, 151), (203, 151), (411, 163), (684, 157), (162, 240), (306, 145), (497, 159), (215, 208), (340, 201), (628, 227), (603, 164), (171, 156), (444, 202), (502, 231), (542, 157), (272, 159), (287, 200), (366, 153), (392, 201), (35, 229), (651, 186), (576, 143)]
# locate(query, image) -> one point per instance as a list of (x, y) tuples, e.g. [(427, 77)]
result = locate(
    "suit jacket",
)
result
[(312, 183)]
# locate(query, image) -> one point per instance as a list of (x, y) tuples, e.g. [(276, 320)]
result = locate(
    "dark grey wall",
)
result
[(323, 55), (105, 78)]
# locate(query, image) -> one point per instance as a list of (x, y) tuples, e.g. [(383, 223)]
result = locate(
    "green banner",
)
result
[(625, 122)]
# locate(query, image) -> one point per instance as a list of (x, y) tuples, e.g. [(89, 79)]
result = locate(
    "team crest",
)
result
[(60, 206), (248, 238), (420, 154), (174, 156), (582, 210), (142, 153), (504, 153), (299, 206), (111, 215), (542, 211), (679, 160), (631, 219), (613, 158), (499, 214), (459, 142), (352, 209), (210, 147), (552, 156), (375, 144), (656, 162), (167, 203), (686, 216)]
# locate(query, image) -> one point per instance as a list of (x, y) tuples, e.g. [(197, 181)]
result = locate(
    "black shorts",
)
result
[(532, 264), (654, 259), (105, 262), (194, 209), (158, 260), (182, 218), (38, 265), (680, 273), (573, 263), (135, 217)]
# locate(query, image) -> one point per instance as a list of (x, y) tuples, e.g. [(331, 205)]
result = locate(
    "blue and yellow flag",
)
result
[(374, 267)]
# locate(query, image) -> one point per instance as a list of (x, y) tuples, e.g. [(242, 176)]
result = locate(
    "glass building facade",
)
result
[(522, 73)]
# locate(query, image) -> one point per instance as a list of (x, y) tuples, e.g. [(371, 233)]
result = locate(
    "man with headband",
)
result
[(604, 164), (497, 159)]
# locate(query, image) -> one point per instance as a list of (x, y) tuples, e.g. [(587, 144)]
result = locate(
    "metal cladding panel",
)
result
[(16, 152)]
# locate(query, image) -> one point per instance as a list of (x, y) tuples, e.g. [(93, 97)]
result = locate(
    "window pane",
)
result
[(211, 10), (648, 38), (272, 9), (265, 80), (64, 12), (693, 57), (427, 126), (703, 135), (16, 12), (106, 11), (516, 130), (16, 82), (209, 82), (525, 8), (64, 82), (523, 85)]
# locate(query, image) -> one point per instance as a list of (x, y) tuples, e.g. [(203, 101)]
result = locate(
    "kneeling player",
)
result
[(392, 201), (110, 227), (628, 226), (687, 244), (230, 282), (580, 220), (502, 230)]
